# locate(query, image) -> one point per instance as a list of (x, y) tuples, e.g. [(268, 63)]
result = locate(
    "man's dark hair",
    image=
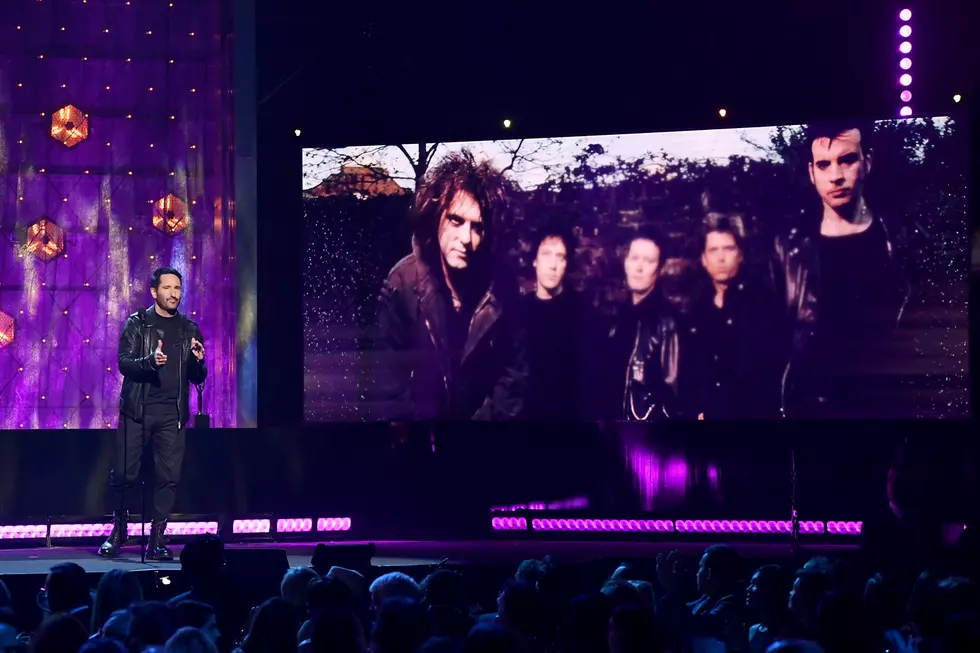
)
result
[(158, 274), (654, 235), (400, 627), (67, 588), (444, 587), (724, 223), (725, 564), (153, 624), (203, 557), (458, 172), (636, 628), (834, 130)]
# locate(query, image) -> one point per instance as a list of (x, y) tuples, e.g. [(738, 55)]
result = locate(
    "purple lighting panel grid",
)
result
[(24, 532), (509, 523), (174, 529), (251, 526), (151, 80), (699, 526), (607, 525)]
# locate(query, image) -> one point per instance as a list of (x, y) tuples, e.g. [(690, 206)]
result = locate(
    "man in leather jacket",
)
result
[(733, 342), (451, 346), (160, 352), (842, 283), (644, 340)]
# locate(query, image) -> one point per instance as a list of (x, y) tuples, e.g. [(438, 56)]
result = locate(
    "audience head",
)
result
[(153, 624), (719, 571), (519, 608), (295, 584), (812, 583), (490, 639), (394, 585), (795, 646), (586, 627), (8, 633), (633, 629), (400, 627), (117, 589), (59, 633), (203, 559), (102, 645), (195, 614), (118, 625), (767, 592), (329, 594), (620, 593), (438, 645), (443, 587), (191, 640), (334, 632), (273, 628), (66, 589), (531, 572)]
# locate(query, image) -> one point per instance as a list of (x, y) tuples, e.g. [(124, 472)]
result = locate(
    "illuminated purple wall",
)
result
[(152, 76)]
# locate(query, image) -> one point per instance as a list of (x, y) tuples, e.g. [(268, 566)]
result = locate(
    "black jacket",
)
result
[(796, 277), (734, 356), (645, 361), (421, 377), (136, 346)]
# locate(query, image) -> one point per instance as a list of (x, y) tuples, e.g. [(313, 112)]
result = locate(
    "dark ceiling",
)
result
[(340, 69)]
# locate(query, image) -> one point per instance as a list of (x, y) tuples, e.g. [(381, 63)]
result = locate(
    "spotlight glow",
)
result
[(507, 123), (723, 112), (905, 15), (905, 31), (298, 133), (906, 96), (957, 98), (905, 80), (905, 112), (905, 63), (905, 47)]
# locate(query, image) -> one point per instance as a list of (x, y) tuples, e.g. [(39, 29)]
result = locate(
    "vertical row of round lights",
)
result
[(905, 63)]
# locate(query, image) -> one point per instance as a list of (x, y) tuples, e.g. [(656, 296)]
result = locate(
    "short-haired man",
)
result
[(643, 354), (560, 331), (160, 351), (450, 340), (732, 347), (841, 283)]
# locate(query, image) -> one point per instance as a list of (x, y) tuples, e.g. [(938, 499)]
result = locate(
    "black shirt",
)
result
[(164, 388), (556, 357)]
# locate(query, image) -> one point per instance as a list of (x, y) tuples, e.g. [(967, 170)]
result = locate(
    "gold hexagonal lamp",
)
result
[(6, 330), (170, 214), (69, 126), (45, 239)]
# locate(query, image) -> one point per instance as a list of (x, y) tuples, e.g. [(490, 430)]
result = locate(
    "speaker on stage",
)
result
[(349, 556)]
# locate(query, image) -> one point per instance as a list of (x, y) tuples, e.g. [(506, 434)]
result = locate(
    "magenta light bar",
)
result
[(69, 531), (251, 526), (610, 525), (701, 526), (303, 525), (327, 524), (578, 503), (25, 532), (509, 523)]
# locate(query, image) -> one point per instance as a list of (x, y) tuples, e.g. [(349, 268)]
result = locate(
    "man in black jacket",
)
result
[(450, 343), (643, 341), (842, 284), (160, 352), (733, 340)]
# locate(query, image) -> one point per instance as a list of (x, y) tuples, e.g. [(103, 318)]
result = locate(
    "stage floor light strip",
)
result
[(174, 529), (251, 526), (700, 526), (24, 532), (328, 524), (301, 525)]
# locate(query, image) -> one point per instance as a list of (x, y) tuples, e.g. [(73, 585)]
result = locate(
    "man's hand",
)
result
[(197, 349), (670, 570), (159, 358)]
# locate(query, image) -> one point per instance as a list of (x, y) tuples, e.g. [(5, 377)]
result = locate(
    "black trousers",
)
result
[(158, 430)]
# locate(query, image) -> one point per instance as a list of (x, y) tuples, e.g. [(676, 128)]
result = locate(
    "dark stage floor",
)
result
[(415, 553)]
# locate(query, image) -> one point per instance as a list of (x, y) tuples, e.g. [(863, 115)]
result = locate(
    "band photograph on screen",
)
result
[(804, 272)]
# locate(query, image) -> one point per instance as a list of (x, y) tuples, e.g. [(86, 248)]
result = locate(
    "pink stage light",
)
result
[(905, 15), (177, 528), (328, 524), (905, 31), (906, 96), (509, 523), (604, 525), (906, 112), (905, 63), (905, 80), (905, 47), (70, 531), (577, 503), (26, 532), (294, 525), (844, 527), (251, 526)]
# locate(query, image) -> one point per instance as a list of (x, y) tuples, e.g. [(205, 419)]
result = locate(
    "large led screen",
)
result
[(801, 272)]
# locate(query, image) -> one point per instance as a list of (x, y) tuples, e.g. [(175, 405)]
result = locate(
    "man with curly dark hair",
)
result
[(450, 345)]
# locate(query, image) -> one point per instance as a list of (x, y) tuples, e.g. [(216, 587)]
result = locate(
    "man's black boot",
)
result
[(157, 547), (117, 537)]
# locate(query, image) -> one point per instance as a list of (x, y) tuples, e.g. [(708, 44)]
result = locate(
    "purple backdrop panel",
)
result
[(77, 234)]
